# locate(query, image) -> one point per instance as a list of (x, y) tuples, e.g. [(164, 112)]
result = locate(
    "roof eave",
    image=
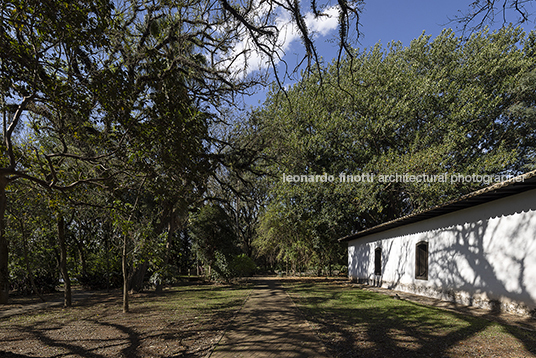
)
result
[(493, 192)]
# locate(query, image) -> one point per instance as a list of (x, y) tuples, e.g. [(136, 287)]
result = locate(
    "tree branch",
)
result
[(9, 132)]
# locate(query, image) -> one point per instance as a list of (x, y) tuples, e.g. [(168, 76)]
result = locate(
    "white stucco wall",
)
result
[(483, 255)]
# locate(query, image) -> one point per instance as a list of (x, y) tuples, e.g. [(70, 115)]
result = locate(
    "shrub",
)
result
[(242, 265), (101, 280)]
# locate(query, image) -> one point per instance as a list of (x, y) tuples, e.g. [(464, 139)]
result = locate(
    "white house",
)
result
[(479, 250)]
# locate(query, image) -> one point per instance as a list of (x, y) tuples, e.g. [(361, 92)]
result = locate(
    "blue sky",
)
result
[(388, 20), (384, 21)]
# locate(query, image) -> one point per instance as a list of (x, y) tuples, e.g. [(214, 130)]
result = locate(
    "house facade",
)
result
[(479, 250)]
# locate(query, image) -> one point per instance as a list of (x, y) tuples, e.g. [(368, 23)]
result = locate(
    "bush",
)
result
[(226, 268), (242, 265), (99, 280), (44, 283), (221, 270)]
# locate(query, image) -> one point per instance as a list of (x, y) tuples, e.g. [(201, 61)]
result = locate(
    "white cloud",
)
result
[(323, 24), (288, 35)]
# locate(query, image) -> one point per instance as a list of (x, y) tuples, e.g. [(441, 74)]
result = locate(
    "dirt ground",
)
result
[(157, 326), (183, 322)]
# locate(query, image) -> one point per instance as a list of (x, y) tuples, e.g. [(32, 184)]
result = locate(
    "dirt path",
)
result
[(269, 325)]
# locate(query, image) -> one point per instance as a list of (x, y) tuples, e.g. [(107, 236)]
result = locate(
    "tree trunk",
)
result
[(4, 270), (107, 230), (80, 247), (63, 262), (125, 275), (136, 277), (171, 231), (27, 262)]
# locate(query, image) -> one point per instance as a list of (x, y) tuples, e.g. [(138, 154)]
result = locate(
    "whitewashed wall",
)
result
[(483, 256)]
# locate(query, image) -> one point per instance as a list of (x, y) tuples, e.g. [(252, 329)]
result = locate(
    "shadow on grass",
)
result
[(358, 323)]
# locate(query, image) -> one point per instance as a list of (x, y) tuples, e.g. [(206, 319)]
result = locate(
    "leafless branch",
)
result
[(484, 12)]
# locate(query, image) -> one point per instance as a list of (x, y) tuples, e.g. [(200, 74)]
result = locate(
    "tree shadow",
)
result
[(13, 355), (484, 256), (155, 327), (269, 325), (360, 323)]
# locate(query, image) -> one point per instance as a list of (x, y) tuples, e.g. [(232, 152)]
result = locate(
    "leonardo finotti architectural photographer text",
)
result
[(398, 178)]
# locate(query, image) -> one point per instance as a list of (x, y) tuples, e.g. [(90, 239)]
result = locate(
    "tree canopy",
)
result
[(441, 107), (118, 98)]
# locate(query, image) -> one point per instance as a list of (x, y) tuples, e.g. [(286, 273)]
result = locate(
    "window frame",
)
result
[(378, 261), (421, 260)]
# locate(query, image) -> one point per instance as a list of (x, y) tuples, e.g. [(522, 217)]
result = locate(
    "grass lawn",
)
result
[(183, 321), (353, 322)]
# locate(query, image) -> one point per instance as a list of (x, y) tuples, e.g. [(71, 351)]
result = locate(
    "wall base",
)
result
[(479, 300)]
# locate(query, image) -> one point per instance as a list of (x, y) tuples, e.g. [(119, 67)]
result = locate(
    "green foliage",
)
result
[(32, 239), (437, 106), (242, 266), (214, 239)]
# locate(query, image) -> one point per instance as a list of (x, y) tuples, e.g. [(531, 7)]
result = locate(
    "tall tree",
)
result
[(47, 55), (437, 106), (215, 242)]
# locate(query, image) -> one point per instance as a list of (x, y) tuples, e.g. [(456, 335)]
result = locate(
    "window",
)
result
[(421, 260), (378, 261)]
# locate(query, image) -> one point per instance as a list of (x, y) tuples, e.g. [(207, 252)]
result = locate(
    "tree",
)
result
[(46, 56), (215, 242), (146, 98), (437, 106)]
